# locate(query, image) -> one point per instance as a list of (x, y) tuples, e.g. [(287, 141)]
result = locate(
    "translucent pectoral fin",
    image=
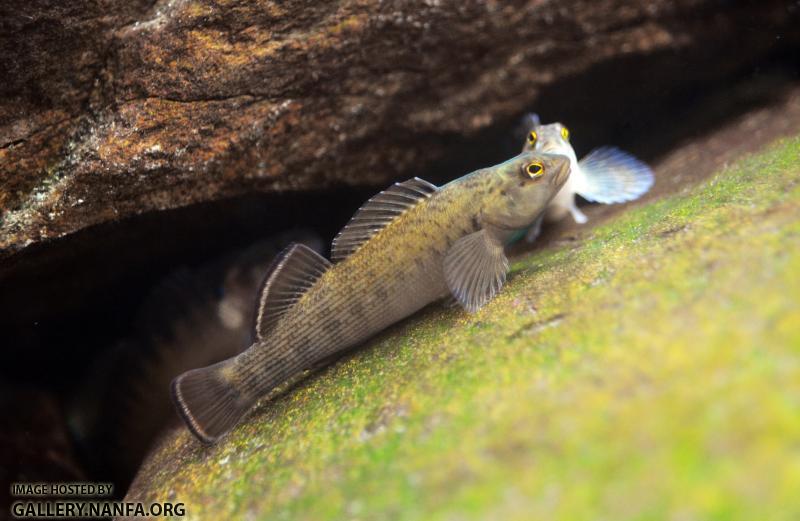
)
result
[(475, 269), (609, 175)]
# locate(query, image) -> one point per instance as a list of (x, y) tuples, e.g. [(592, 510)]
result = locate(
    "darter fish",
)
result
[(606, 175), (408, 246)]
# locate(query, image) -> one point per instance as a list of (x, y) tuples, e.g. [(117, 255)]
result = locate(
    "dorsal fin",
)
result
[(293, 272), (377, 213)]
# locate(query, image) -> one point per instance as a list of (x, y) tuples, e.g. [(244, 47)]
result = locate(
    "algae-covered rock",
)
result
[(648, 370)]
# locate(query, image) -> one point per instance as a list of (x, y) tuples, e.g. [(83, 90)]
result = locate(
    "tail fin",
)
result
[(612, 176), (208, 401)]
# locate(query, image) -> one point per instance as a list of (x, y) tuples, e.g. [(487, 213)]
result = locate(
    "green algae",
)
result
[(651, 370)]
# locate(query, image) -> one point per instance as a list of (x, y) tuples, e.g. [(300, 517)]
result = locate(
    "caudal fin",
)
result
[(208, 401), (610, 175)]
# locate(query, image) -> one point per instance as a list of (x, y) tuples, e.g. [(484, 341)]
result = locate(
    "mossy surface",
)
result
[(649, 370)]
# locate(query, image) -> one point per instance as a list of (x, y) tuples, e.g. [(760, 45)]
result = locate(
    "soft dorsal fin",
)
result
[(293, 272), (377, 213)]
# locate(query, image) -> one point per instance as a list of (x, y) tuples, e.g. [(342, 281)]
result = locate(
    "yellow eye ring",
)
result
[(565, 133), (535, 169), (532, 138)]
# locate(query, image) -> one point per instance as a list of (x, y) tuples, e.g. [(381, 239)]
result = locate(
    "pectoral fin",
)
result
[(609, 175), (475, 269)]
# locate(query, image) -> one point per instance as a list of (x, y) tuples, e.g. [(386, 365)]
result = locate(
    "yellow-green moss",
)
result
[(650, 371)]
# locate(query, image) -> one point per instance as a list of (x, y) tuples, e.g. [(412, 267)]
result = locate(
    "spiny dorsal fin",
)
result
[(377, 213), (292, 274)]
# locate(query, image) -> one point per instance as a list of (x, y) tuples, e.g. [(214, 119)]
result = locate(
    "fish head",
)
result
[(524, 185), (552, 138)]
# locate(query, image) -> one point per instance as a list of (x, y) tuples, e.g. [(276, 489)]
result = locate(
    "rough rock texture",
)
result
[(110, 108), (648, 368)]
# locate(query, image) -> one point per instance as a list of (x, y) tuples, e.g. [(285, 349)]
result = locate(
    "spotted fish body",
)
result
[(606, 175), (405, 248)]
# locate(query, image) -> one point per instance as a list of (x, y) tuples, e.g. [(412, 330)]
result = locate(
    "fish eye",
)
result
[(534, 170), (565, 133), (532, 138)]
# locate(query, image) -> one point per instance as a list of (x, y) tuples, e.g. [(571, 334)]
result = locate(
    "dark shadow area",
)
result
[(66, 302)]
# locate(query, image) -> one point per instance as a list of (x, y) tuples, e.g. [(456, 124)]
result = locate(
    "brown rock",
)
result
[(112, 108)]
